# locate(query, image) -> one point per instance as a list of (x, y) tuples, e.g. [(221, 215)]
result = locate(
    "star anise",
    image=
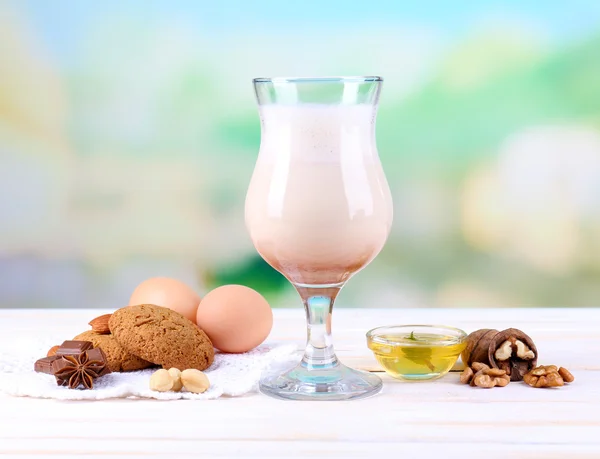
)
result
[(78, 370)]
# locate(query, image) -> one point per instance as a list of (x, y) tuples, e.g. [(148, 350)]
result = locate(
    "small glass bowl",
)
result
[(416, 352)]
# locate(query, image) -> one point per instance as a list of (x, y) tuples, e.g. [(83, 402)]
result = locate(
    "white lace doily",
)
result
[(230, 375)]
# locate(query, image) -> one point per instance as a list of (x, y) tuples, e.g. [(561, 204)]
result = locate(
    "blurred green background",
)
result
[(128, 134)]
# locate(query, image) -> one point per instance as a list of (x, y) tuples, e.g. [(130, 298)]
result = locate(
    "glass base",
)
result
[(338, 382)]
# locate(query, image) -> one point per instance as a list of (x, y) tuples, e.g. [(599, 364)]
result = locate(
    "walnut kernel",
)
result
[(466, 375), (548, 376), (523, 351), (485, 376), (483, 380), (495, 372), (478, 366), (504, 351), (566, 375)]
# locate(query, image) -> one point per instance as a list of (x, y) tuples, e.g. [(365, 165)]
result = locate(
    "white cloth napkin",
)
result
[(229, 375)]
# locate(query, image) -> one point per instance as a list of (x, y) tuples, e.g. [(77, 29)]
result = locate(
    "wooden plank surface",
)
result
[(417, 419)]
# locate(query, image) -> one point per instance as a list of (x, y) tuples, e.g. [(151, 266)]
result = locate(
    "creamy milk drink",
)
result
[(318, 208)]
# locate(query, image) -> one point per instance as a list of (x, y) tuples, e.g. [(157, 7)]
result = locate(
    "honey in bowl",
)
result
[(416, 352)]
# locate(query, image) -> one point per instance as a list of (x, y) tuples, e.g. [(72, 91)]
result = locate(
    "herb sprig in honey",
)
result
[(421, 355)]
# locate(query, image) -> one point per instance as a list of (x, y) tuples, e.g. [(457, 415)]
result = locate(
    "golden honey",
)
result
[(417, 353)]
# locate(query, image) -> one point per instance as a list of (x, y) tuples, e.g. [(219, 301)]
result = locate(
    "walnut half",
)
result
[(481, 375), (548, 376), (513, 351)]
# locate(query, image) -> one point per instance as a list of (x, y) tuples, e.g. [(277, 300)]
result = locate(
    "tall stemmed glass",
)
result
[(318, 210)]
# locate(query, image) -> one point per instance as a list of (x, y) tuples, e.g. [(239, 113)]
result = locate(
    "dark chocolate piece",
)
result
[(97, 355), (45, 365), (73, 347), (80, 370), (58, 366)]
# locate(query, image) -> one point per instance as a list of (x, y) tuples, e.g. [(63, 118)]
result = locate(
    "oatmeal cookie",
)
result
[(162, 336)]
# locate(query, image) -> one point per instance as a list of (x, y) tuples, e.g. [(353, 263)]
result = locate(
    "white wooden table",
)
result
[(414, 420)]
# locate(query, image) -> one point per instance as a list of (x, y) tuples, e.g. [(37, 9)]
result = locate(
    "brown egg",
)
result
[(235, 318), (168, 293)]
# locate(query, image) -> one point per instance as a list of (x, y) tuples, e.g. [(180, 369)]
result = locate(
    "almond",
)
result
[(100, 324), (52, 351)]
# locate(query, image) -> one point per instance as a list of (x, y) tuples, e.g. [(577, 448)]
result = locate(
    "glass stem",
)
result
[(318, 304)]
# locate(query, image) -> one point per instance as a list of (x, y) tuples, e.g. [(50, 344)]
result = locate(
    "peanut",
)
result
[(175, 374), (195, 381), (161, 381)]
